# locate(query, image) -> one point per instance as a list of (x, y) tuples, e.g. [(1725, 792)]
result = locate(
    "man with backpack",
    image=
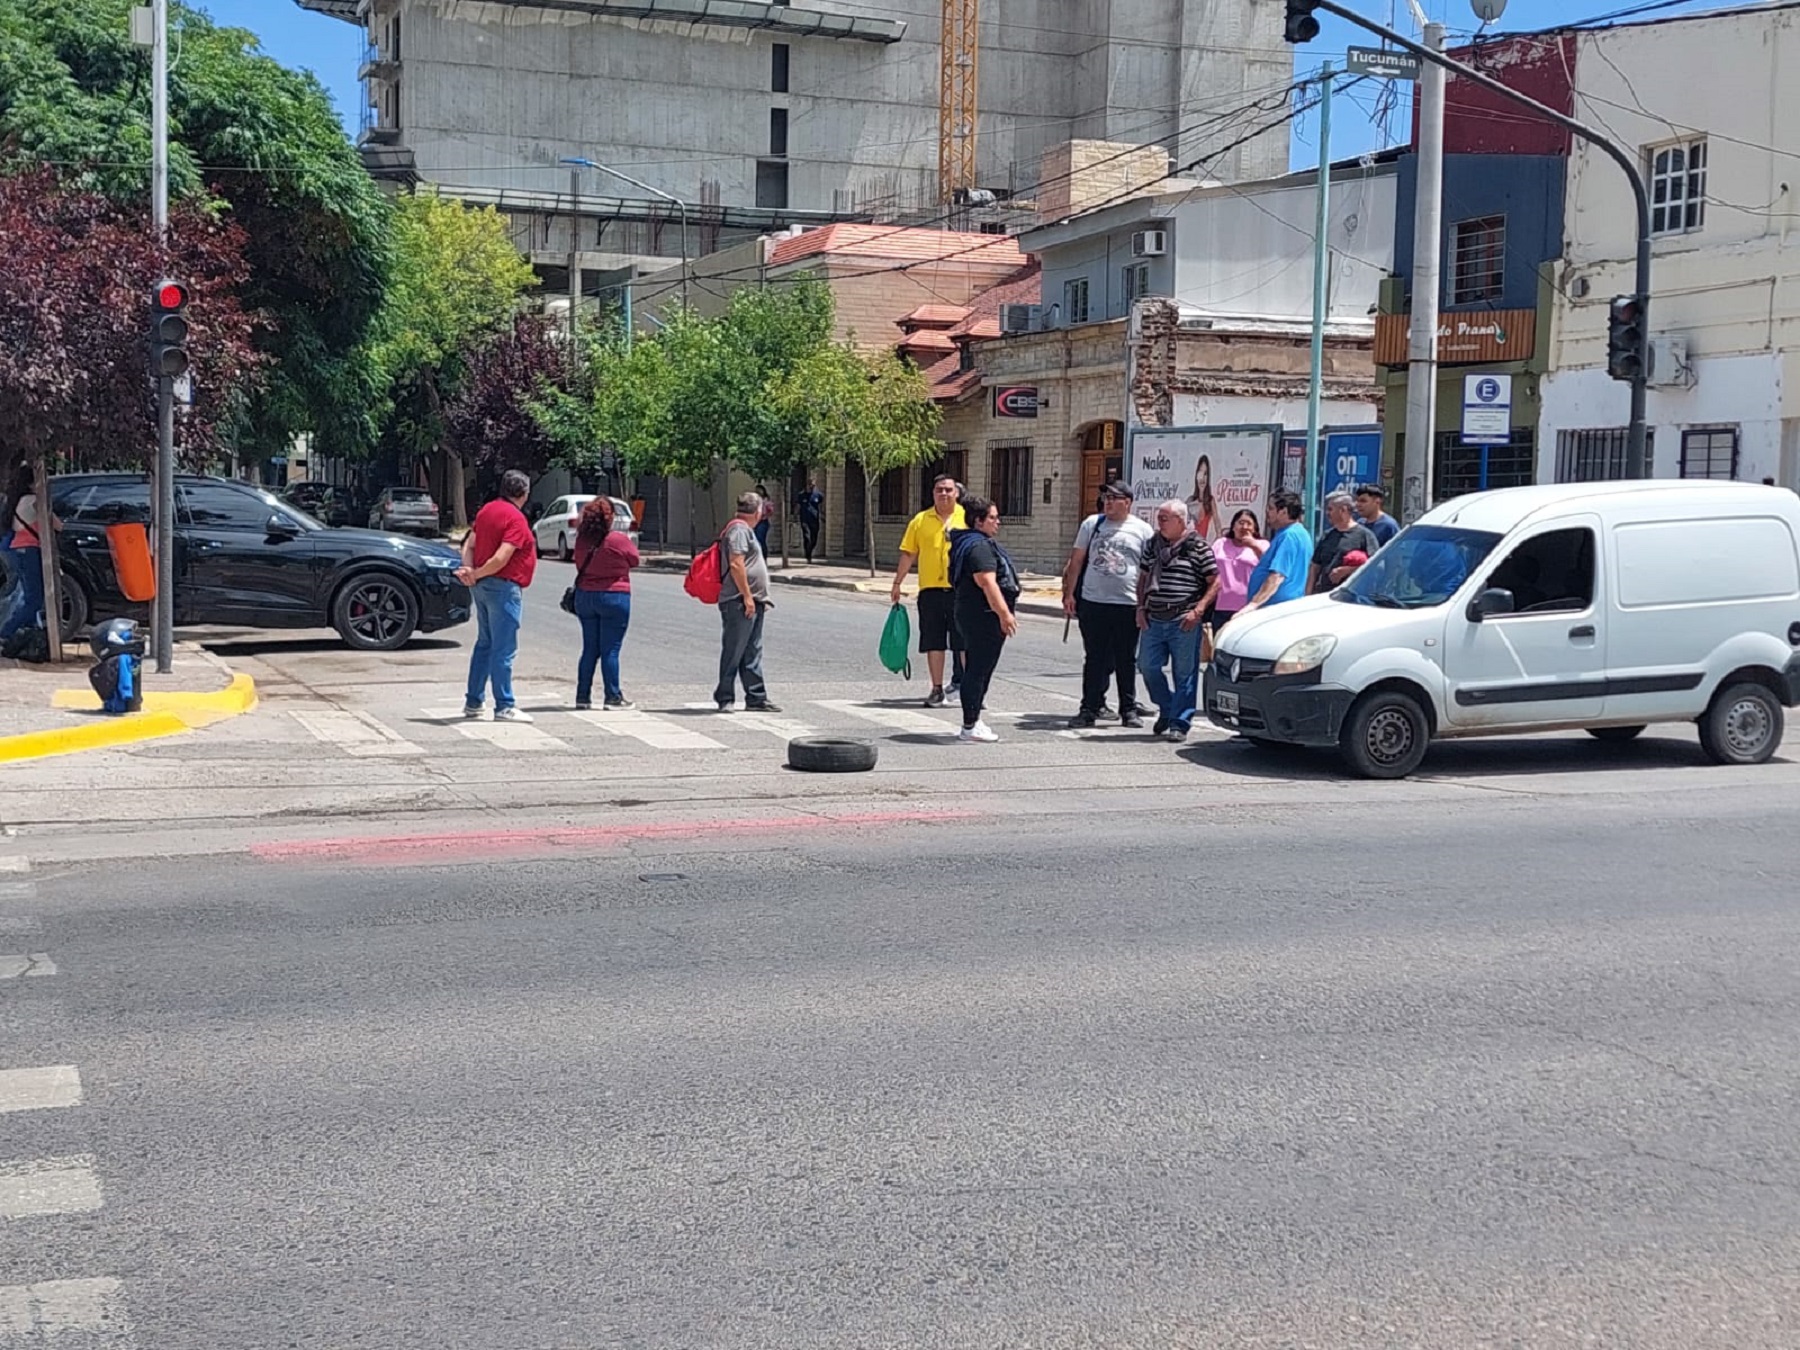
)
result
[(743, 603)]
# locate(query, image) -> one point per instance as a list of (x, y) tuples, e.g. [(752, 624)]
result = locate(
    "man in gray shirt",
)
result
[(743, 601), (1100, 591)]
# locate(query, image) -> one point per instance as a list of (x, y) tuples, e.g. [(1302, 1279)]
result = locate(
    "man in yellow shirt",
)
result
[(927, 543)]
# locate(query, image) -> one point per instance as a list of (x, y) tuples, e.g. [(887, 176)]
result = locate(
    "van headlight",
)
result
[(1306, 654)]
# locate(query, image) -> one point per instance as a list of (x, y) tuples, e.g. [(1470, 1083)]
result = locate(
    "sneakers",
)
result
[(724, 706), (512, 715), (620, 704), (1131, 719), (979, 732), (761, 707), (953, 688), (582, 705), (1082, 719), (1162, 725), (935, 699), (1177, 733), (472, 710)]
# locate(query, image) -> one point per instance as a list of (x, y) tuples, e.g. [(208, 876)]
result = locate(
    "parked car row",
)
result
[(244, 556)]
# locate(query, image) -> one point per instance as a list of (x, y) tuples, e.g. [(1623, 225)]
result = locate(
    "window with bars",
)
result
[(1678, 187), (1137, 282), (890, 493), (1710, 452), (1477, 260), (1598, 455), (1009, 478), (1463, 468), (1075, 302)]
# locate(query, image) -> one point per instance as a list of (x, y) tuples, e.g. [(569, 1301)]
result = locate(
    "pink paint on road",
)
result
[(429, 848)]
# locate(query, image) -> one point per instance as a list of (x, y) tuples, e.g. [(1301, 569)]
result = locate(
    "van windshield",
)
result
[(1422, 567)]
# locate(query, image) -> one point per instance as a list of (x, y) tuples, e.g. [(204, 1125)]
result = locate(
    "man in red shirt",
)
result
[(499, 557)]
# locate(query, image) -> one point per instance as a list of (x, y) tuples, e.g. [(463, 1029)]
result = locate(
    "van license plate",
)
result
[(1226, 703)]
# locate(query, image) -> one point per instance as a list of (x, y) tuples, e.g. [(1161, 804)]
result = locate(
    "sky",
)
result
[(331, 49)]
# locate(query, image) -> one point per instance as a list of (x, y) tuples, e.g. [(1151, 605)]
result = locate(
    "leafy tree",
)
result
[(877, 411), (455, 285), (76, 300), (247, 136), (492, 417)]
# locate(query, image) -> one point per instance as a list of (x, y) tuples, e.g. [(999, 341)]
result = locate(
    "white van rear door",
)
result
[(1544, 663)]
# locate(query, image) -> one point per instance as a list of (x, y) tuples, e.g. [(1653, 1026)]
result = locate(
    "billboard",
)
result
[(1217, 471)]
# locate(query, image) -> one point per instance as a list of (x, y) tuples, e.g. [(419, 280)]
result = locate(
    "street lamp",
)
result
[(680, 206)]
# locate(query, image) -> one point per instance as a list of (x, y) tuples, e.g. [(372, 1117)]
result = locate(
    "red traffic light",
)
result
[(171, 295)]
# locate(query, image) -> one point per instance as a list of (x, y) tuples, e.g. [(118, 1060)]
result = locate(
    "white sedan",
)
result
[(555, 529)]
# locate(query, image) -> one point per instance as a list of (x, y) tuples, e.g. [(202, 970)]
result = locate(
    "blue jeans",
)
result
[(1163, 643), (604, 616), (28, 603), (499, 606)]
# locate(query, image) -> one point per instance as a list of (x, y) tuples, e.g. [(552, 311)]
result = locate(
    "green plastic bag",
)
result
[(896, 642)]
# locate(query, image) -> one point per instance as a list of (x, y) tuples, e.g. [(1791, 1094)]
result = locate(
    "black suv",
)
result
[(243, 557)]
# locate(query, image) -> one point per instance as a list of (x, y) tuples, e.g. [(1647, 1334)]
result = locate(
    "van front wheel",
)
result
[(1385, 735), (1743, 725)]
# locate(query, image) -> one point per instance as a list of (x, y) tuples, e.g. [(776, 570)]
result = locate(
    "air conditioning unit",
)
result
[(1021, 318), (1149, 243), (1669, 362)]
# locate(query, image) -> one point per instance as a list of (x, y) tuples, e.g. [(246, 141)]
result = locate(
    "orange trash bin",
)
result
[(130, 549)]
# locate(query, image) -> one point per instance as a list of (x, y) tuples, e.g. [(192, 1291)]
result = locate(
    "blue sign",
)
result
[(1347, 460)]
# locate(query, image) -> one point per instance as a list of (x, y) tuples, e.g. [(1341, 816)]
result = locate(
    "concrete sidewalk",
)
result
[(52, 710), (1042, 594)]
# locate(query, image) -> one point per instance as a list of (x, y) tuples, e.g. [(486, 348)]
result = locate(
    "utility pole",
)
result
[(162, 627), (1321, 290), (574, 248), (1427, 285)]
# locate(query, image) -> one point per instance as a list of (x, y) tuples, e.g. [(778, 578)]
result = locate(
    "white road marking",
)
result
[(15, 864), (784, 728), (37, 1314), (17, 890), (14, 967), (48, 1186), (356, 733), (895, 719), (520, 736), (39, 1089), (651, 730)]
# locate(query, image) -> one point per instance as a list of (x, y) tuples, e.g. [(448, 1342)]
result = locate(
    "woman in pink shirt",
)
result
[(1237, 554), (604, 558)]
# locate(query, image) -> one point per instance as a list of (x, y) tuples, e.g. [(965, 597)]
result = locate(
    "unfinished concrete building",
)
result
[(755, 116)]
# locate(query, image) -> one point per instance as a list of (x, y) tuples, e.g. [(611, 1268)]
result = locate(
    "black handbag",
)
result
[(568, 600)]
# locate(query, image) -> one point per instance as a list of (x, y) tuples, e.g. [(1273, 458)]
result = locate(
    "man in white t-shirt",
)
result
[(1100, 591)]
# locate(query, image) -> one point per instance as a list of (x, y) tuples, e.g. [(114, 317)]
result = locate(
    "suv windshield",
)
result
[(1422, 567)]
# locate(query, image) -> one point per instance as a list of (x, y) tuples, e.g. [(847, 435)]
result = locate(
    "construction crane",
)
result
[(956, 99)]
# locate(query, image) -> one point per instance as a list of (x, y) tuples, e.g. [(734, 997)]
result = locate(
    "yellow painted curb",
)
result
[(164, 714), (146, 726)]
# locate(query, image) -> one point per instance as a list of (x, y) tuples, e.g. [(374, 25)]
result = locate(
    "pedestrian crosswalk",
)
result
[(676, 727), (37, 1191)]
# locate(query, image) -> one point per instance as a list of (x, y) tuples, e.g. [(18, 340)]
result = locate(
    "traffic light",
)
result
[(1301, 26), (1625, 329), (168, 339)]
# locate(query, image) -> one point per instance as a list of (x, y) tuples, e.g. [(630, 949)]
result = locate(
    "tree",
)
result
[(455, 285), (76, 299), (492, 418), (247, 137), (877, 411)]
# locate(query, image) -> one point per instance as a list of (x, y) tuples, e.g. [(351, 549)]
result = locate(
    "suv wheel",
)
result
[(1385, 735), (74, 605), (375, 612), (1743, 725)]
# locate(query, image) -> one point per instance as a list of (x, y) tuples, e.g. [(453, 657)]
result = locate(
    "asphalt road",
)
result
[(1487, 1068)]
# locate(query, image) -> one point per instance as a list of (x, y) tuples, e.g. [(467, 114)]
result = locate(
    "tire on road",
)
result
[(831, 754), (1616, 735), (1385, 735), (375, 612), (1742, 725), (73, 598)]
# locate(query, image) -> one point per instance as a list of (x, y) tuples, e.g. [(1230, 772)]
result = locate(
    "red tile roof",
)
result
[(927, 341), (935, 316), (1023, 287), (898, 244)]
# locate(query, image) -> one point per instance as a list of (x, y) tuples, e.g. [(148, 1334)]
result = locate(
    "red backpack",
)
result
[(706, 574)]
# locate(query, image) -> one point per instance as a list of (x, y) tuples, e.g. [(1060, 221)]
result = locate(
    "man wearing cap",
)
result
[(1100, 591), (1371, 507)]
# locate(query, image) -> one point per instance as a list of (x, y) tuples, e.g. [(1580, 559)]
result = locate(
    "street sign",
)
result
[(1487, 409), (1350, 459), (1383, 64)]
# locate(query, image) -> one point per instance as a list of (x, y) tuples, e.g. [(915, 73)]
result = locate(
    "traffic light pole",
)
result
[(1636, 459), (162, 622)]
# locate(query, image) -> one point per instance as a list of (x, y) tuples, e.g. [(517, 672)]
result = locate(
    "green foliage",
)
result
[(248, 138), (877, 411)]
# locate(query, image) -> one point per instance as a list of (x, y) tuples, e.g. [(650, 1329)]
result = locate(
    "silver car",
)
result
[(404, 510)]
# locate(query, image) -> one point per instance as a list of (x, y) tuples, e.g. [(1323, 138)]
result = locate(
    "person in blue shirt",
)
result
[(1371, 505), (1281, 575)]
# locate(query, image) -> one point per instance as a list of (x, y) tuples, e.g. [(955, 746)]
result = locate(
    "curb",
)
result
[(165, 714)]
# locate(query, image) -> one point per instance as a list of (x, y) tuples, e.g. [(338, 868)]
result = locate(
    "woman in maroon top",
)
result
[(604, 558)]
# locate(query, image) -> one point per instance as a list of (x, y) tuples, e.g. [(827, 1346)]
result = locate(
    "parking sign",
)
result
[(1487, 409)]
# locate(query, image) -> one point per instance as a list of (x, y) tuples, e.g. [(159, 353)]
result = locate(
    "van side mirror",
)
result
[(1489, 603)]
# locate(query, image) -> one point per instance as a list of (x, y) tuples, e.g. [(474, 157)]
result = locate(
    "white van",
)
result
[(1601, 606)]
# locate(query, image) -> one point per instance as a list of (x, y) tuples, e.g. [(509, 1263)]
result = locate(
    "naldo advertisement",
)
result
[(1217, 471)]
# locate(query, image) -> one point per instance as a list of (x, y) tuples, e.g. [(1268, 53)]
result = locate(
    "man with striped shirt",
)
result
[(1176, 586)]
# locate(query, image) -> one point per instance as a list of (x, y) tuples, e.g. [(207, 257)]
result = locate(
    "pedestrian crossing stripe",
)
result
[(26, 965), (46, 1312), (34, 1187), (900, 719), (651, 730)]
